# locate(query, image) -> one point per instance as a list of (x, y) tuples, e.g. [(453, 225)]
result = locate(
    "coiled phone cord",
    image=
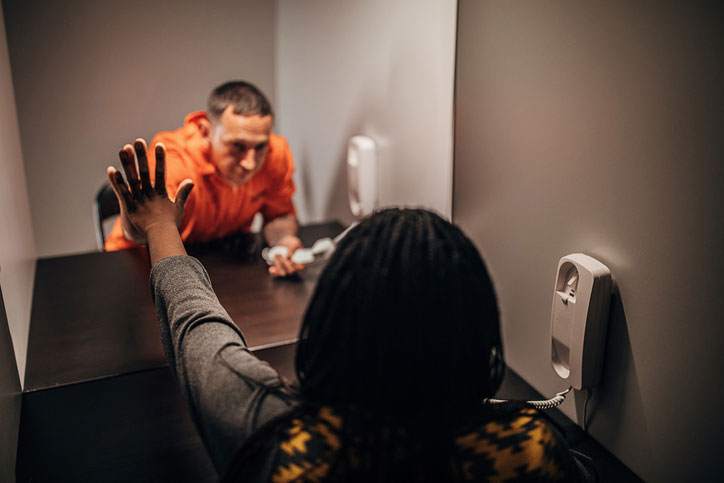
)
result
[(547, 404)]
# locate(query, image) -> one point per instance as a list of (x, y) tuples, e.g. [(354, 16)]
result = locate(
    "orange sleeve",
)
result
[(279, 198), (115, 239)]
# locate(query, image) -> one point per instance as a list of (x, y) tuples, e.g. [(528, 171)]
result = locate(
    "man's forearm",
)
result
[(279, 228)]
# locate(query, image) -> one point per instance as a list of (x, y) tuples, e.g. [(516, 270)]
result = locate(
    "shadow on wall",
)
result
[(305, 183), (618, 397), (372, 119), (338, 198), (338, 206), (337, 203)]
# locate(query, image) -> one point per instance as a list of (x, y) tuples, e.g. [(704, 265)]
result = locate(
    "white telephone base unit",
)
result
[(579, 319)]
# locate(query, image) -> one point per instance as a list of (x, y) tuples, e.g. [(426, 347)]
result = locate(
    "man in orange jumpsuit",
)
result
[(238, 167)]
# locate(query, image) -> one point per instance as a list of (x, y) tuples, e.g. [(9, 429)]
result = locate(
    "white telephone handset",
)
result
[(579, 319), (321, 250)]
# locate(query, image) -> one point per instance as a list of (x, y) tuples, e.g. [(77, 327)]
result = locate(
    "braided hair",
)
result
[(403, 326), (402, 339)]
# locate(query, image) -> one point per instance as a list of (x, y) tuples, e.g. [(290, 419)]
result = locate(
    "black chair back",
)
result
[(105, 206)]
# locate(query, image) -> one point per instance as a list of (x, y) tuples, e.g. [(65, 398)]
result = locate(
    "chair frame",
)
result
[(105, 205)]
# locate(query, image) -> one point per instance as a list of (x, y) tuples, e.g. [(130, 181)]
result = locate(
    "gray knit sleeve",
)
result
[(228, 390)]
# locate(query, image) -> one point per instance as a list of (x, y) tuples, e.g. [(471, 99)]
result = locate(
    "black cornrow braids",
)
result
[(401, 338), (403, 327)]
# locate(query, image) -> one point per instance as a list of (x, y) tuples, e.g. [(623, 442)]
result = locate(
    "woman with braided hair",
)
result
[(398, 347)]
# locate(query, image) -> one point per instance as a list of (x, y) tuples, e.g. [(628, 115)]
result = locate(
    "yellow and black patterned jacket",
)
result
[(514, 444)]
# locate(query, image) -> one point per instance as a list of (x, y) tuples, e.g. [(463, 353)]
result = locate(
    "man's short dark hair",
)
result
[(246, 98)]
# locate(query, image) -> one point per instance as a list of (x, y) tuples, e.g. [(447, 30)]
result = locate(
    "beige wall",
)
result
[(373, 67), (598, 128), (91, 75), (121, 70), (17, 267), (17, 246)]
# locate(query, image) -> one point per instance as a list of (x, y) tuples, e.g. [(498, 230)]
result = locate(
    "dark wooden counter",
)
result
[(92, 315), (129, 428), (100, 403)]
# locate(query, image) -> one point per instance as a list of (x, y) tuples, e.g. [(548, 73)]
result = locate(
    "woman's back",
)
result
[(318, 444), (416, 359)]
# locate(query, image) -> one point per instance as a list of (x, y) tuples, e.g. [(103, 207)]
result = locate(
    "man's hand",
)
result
[(282, 231), (284, 266), (144, 206)]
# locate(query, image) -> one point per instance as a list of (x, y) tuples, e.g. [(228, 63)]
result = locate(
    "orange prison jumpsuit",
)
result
[(217, 208)]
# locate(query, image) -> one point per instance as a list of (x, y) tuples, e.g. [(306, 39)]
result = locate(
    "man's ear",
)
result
[(205, 128)]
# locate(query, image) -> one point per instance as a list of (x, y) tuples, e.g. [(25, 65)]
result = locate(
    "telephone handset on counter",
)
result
[(320, 250), (579, 320), (363, 199)]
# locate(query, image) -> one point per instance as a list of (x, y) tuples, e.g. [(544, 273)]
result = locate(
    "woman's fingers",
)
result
[(139, 145), (120, 189), (160, 169), (129, 167)]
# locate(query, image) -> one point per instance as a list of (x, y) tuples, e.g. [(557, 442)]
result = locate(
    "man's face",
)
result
[(238, 144)]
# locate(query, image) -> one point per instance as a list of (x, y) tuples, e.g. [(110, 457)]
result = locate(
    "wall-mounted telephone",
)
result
[(362, 175), (579, 319)]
